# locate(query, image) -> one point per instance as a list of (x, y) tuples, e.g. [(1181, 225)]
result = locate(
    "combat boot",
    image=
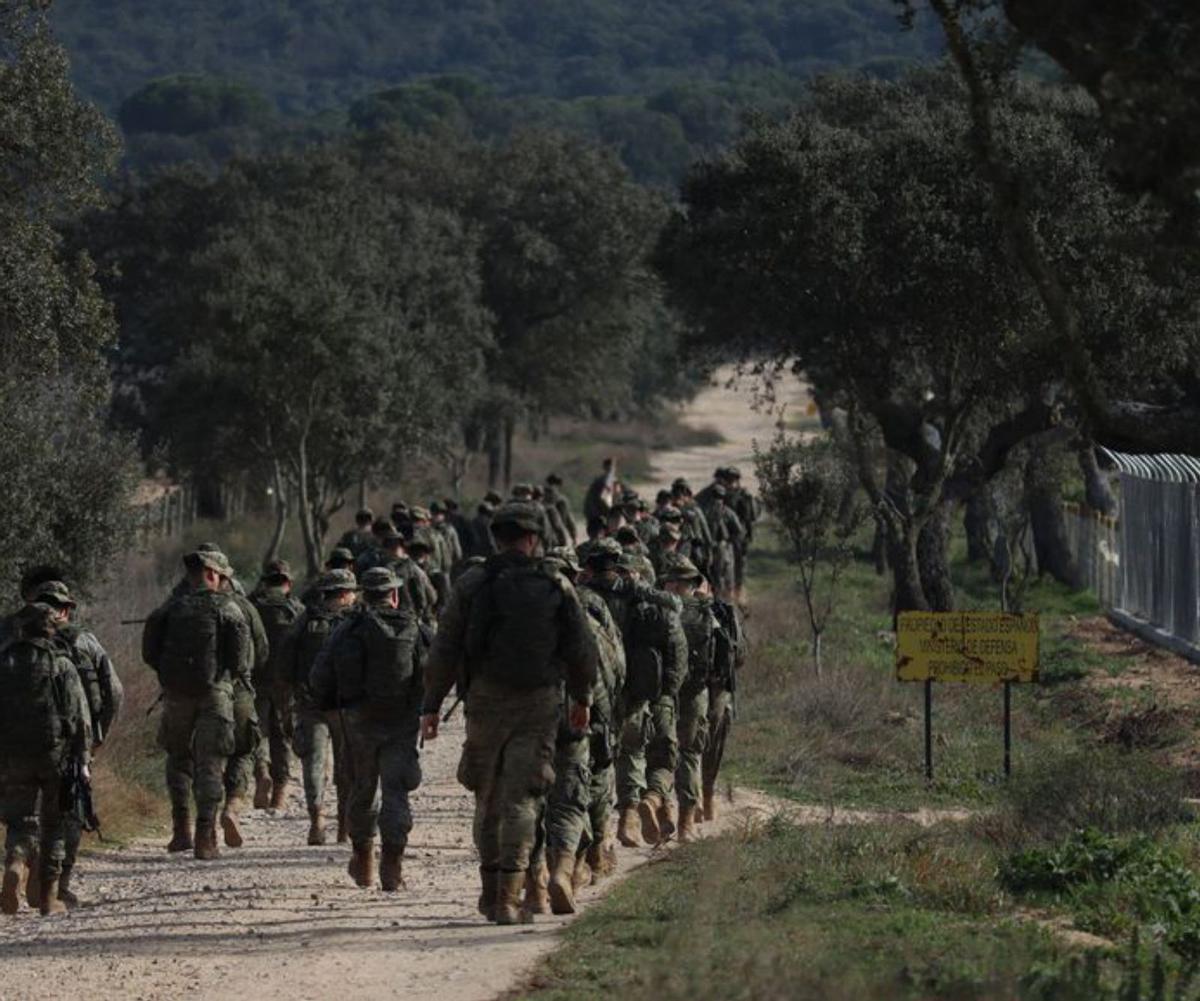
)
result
[(668, 817), (229, 823), (687, 825), (48, 902), (627, 827), (595, 860), (262, 789), (206, 841), (343, 831), (648, 811), (710, 805), (489, 881), (316, 826), (391, 875), (64, 888), (537, 899), (279, 793), (562, 889), (581, 876), (697, 815), (181, 831), (508, 900), (16, 877), (362, 863), (33, 889)]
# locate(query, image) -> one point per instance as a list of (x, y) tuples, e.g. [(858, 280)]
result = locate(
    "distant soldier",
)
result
[(198, 644), (360, 538), (656, 665), (602, 492), (462, 528), (727, 534), (514, 633), (370, 672), (340, 558), (317, 729), (743, 504), (729, 655), (554, 495), (417, 594), (44, 722), (278, 610), (449, 534), (422, 548), (482, 543), (697, 542), (102, 690), (665, 543), (682, 579)]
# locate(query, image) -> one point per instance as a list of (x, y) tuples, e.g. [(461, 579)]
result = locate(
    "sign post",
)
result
[(978, 648)]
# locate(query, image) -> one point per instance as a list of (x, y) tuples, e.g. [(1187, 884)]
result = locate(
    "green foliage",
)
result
[(183, 105)]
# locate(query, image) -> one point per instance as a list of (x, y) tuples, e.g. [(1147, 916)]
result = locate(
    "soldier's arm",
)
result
[(577, 647), (446, 656), (153, 634), (322, 681), (76, 712), (112, 692), (258, 636), (675, 656), (236, 645)]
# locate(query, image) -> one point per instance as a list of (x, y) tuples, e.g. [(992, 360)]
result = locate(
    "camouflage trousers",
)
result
[(31, 811), (692, 731), (318, 733), (239, 769), (197, 732), (567, 806), (273, 706), (739, 563), (723, 571), (384, 766), (507, 762), (649, 751), (720, 719)]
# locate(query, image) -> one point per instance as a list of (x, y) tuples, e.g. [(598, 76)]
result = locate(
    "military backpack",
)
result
[(34, 715), (85, 667), (188, 658), (278, 612), (375, 660)]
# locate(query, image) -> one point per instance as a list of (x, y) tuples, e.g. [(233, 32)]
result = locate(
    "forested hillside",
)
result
[(660, 81)]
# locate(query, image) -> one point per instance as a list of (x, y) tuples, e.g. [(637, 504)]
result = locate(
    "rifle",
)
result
[(75, 795), (450, 712)]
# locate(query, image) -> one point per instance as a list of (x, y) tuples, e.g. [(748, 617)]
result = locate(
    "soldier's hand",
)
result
[(429, 726), (578, 716)]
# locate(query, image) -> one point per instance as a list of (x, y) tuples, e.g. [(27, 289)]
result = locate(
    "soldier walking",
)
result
[(514, 632), (198, 644), (369, 671)]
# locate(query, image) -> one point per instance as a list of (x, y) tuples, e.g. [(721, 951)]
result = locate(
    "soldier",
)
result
[(462, 528), (340, 558), (421, 520), (198, 644), (513, 633), (597, 529), (278, 611), (449, 535), (697, 543), (422, 549), (664, 544), (656, 664), (580, 803), (102, 690), (482, 543), (359, 539), (417, 594), (682, 579), (317, 729), (554, 495), (727, 533), (742, 502), (602, 491), (43, 724), (729, 655), (369, 671)]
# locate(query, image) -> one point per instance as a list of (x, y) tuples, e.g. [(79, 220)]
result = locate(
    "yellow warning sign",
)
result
[(975, 647)]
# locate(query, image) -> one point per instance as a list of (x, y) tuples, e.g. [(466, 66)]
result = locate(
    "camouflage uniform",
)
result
[(727, 534), (246, 761), (197, 727), (417, 593), (742, 503), (277, 611), (36, 740), (316, 730), (729, 656), (552, 496), (370, 672), (515, 664)]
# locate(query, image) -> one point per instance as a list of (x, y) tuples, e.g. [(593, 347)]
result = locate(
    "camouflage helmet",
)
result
[(391, 536), (522, 490), (277, 568), (733, 473), (341, 556), (378, 580), (566, 559), (627, 536), (554, 480), (337, 580), (671, 530), (422, 540), (419, 514), (37, 619), (604, 554), (670, 516), (719, 491), (493, 498), (363, 515), (636, 563), (678, 567), (54, 593), (209, 558), (523, 514)]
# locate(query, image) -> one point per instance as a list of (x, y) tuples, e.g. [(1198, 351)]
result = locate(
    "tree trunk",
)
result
[(879, 547), (304, 503), (1051, 545), (816, 652), (977, 521), (362, 492), (281, 511), (933, 559), (907, 593), (509, 432), (492, 445), (1096, 486)]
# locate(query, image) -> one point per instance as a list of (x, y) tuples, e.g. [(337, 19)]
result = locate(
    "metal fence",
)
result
[(1145, 565)]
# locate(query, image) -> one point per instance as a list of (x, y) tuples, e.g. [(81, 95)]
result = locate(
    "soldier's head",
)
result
[(380, 587), (340, 559), (364, 518), (420, 517), (566, 561), (597, 528), (616, 519), (450, 505), (437, 512), (733, 476), (681, 492), (609, 464), (380, 526), (627, 537), (680, 576), (554, 480), (493, 498), (662, 498), (277, 574), (204, 568), (338, 589), (669, 536), (392, 541), (36, 576), (602, 559), (719, 493), (55, 595), (518, 526), (420, 546), (36, 621), (720, 475), (522, 491)]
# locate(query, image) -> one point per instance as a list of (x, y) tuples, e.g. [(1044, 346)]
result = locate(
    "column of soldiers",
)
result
[(596, 676)]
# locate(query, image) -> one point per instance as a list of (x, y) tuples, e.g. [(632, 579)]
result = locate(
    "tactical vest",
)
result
[(375, 661), (278, 613), (318, 624), (513, 626), (89, 674), (700, 627), (189, 664), (729, 645), (34, 720)]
